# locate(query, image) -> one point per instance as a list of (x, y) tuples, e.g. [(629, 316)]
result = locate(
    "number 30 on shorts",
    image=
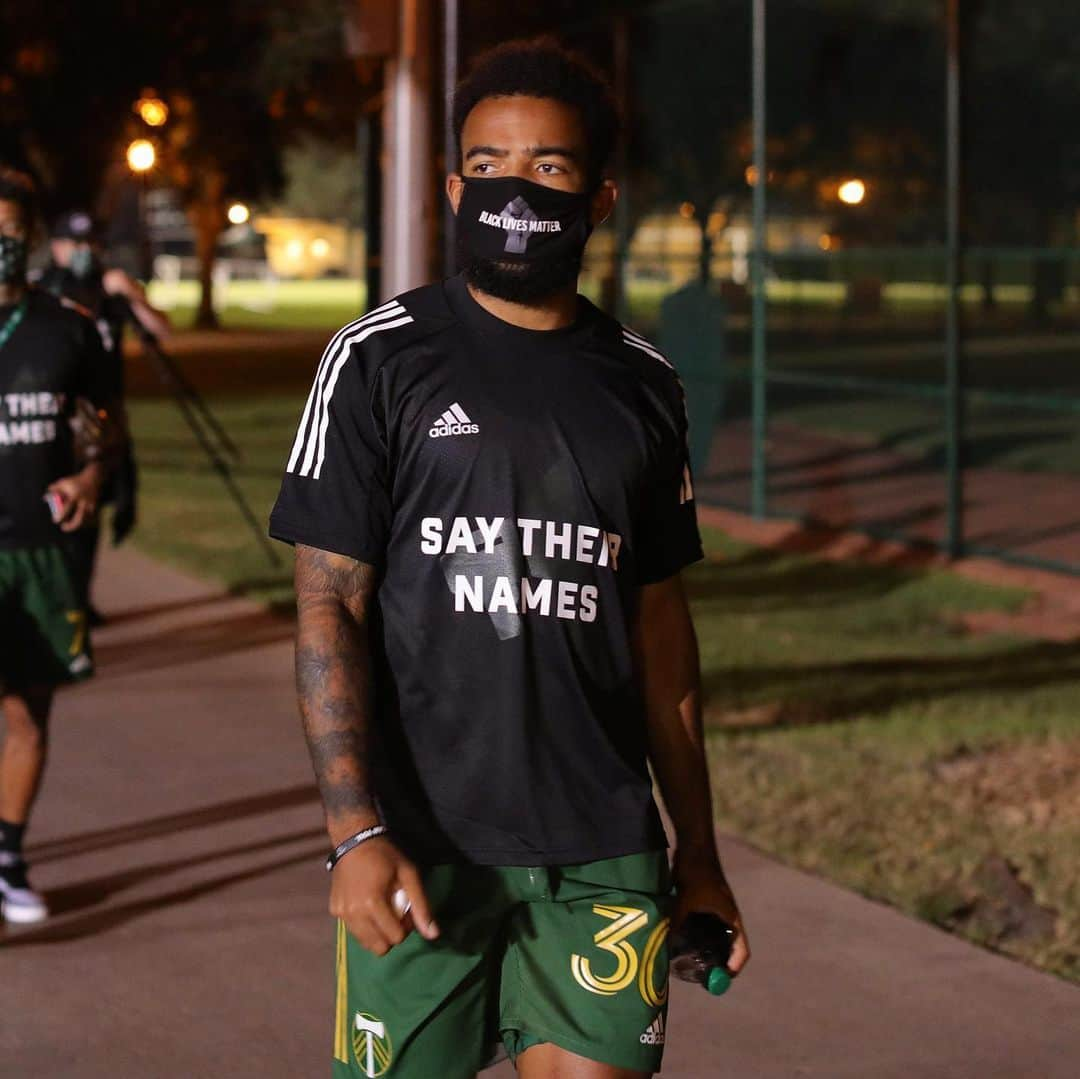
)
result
[(629, 966)]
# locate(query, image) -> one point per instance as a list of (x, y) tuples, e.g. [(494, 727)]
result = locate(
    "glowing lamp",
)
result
[(852, 192), (141, 155), (152, 111)]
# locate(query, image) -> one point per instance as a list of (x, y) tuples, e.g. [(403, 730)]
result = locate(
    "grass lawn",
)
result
[(299, 305), (186, 515), (854, 730)]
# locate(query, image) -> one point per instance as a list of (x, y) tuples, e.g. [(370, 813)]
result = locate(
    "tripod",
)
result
[(208, 432)]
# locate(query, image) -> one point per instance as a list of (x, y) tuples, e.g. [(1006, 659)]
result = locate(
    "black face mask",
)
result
[(14, 251), (518, 240)]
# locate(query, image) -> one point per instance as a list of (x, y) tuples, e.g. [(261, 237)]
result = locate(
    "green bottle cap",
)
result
[(719, 981)]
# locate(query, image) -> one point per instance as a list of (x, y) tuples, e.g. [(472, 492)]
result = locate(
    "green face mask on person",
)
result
[(82, 262), (14, 252)]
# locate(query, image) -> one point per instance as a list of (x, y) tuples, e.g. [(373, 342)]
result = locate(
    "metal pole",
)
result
[(622, 170), (759, 475), (371, 134), (407, 221), (954, 405), (451, 23)]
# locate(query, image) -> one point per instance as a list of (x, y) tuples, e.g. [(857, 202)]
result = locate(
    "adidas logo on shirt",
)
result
[(654, 1032), (453, 422)]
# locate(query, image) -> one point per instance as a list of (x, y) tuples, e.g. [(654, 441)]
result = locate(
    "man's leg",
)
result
[(22, 762), (22, 759), (583, 993), (82, 550), (547, 1061)]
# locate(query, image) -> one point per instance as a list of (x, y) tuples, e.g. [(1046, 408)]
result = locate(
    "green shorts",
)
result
[(572, 955), (43, 639)]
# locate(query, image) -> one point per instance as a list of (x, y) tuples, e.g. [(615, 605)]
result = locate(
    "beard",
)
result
[(519, 282)]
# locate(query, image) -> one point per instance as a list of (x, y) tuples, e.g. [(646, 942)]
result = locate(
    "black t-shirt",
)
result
[(109, 312), (515, 488), (53, 357)]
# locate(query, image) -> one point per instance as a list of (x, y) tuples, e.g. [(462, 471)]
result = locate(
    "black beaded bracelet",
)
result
[(347, 845)]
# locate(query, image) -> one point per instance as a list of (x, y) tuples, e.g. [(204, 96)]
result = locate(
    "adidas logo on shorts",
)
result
[(654, 1032), (453, 422)]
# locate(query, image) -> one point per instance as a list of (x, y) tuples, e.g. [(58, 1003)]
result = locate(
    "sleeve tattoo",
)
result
[(333, 594)]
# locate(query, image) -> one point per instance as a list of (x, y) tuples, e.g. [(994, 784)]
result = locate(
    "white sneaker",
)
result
[(19, 903)]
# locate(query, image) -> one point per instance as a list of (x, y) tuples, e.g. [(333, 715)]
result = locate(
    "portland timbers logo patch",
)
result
[(371, 1045)]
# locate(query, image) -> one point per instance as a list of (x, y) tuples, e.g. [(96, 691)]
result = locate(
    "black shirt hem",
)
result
[(654, 575), (569, 856), (30, 541)]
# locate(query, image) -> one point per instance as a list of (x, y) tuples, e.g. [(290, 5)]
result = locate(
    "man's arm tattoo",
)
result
[(333, 594)]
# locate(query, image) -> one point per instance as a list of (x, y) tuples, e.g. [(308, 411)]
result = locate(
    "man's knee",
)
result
[(27, 716)]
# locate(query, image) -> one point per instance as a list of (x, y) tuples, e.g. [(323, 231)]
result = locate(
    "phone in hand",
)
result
[(57, 505)]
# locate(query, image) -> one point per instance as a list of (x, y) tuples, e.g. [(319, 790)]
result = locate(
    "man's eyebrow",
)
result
[(485, 151), (553, 151)]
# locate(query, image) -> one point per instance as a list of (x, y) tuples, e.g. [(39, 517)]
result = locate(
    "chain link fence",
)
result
[(863, 428)]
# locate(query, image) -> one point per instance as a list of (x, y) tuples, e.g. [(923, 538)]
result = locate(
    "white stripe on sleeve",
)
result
[(328, 393), (392, 311), (310, 407)]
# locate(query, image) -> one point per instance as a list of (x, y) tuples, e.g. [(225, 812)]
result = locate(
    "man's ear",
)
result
[(603, 202), (455, 187)]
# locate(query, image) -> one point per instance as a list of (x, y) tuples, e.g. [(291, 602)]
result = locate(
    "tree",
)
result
[(689, 142), (65, 108), (323, 179), (1022, 148), (65, 89), (221, 141), (847, 94)]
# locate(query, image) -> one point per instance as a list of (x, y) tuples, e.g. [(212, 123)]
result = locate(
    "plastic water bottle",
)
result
[(700, 951)]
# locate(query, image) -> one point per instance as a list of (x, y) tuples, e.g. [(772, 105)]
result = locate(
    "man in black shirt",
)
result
[(114, 299), (491, 502), (50, 358)]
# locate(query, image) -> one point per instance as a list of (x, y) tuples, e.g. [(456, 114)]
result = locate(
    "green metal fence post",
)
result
[(954, 401), (759, 474)]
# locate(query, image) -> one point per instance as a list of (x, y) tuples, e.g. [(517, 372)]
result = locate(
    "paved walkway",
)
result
[(847, 483), (1050, 613), (180, 839)]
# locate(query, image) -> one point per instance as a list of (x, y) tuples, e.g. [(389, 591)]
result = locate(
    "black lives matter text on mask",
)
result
[(544, 542), (518, 224)]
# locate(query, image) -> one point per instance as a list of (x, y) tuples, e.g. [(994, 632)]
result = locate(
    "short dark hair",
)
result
[(542, 67), (18, 187)]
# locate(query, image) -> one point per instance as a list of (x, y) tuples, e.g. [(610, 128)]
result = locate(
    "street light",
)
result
[(141, 155), (851, 191), (152, 110), (238, 214)]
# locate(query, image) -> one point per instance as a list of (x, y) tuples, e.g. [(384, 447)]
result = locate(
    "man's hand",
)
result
[(361, 894), (118, 283), (333, 661), (701, 886), (80, 494)]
